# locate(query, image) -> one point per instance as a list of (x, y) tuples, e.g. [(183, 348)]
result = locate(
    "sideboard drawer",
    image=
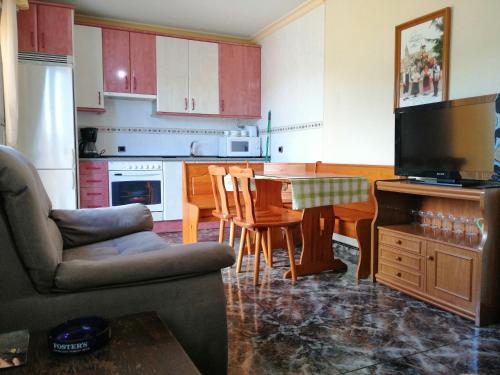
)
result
[(403, 258), (400, 241), (397, 274)]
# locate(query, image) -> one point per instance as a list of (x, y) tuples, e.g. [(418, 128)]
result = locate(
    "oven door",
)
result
[(126, 187)]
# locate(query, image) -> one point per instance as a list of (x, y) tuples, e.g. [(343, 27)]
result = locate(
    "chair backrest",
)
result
[(241, 179), (27, 209), (217, 175)]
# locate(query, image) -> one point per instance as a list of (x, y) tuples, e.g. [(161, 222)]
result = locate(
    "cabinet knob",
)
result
[(430, 257), (399, 259), (399, 242), (398, 274)]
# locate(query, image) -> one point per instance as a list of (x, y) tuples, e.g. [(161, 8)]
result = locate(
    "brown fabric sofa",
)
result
[(60, 264)]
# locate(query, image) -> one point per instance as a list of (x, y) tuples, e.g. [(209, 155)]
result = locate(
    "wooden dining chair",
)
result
[(259, 221), (221, 211)]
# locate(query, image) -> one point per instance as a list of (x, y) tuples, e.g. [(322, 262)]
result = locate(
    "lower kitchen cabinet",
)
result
[(172, 190), (458, 273), (94, 186)]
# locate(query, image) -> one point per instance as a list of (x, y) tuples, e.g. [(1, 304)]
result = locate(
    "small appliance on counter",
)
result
[(87, 147), (237, 146)]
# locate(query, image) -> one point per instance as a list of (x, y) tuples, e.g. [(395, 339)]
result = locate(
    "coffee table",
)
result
[(140, 344)]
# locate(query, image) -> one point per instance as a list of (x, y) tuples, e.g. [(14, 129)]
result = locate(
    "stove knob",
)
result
[(135, 166)]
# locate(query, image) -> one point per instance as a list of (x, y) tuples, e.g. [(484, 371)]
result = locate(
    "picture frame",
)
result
[(421, 69)]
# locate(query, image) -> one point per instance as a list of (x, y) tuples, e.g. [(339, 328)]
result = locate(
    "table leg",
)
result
[(317, 252)]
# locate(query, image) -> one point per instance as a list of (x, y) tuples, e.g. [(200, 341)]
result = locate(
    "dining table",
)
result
[(315, 194)]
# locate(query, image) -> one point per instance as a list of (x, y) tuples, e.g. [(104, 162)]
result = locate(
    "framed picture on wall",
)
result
[(422, 59)]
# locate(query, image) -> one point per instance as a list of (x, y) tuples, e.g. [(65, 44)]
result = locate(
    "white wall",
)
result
[(359, 68), (292, 87), (123, 115)]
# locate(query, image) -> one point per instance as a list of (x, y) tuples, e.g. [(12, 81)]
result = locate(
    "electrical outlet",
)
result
[(121, 148)]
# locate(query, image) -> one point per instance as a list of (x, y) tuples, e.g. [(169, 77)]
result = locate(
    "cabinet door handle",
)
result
[(135, 83), (32, 39), (222, 105), (99, 97), (193, 104), (126, 82), (430, 257), (43, 40), (185, 104)]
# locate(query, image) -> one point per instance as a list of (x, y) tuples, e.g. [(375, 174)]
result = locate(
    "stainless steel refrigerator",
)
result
[(47, 127)]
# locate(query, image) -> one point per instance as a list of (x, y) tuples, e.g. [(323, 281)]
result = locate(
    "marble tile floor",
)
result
[(332, 324)]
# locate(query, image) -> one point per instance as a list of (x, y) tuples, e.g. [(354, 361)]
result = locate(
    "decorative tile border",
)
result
[(294, 127), (173, 131)]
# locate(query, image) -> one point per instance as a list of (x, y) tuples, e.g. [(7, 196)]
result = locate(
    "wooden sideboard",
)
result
[(458, 273)]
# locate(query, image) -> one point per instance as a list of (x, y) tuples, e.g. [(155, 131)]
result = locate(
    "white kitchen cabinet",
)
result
[(187, 76), (89, 85), (204, 77), (172, 74), (172, 190)]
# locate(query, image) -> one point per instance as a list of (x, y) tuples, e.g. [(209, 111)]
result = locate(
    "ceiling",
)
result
[(239, 18)]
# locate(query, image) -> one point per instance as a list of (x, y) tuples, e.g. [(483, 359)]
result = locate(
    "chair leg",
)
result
[(248, 243), (264, 248), (231, 234), (258, 237), (291, 252), (221, 231), (242, 246), (269, 248)]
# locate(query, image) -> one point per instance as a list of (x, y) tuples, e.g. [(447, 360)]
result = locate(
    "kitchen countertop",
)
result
[(195, 159)]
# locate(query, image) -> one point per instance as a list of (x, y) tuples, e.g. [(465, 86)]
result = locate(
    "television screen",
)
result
[(450, 139)]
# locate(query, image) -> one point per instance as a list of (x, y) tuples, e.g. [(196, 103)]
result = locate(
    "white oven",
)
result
[(137, 182), (239, 146)]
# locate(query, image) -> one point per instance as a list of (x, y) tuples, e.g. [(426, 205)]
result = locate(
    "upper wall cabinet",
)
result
[(187, 76), (239, 80), (88, 69), (46, 28), (129, 62)]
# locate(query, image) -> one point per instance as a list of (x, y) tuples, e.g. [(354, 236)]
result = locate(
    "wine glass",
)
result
[(414, 216), (459, 225), (423, 219), (447, 223)]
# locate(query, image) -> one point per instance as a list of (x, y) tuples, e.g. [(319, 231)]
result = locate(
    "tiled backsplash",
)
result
[(130, 123)]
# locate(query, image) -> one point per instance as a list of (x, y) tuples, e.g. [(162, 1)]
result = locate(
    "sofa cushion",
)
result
[(27, 206), (137, 258), (85, 226)]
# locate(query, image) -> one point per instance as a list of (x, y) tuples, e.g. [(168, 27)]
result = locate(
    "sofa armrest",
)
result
[(84, 226), (175, 261)]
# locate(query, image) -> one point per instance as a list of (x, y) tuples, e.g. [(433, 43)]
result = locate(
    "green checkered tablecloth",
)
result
[(326, 191)]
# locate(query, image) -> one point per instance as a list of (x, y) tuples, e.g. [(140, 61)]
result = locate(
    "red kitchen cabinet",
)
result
[(55, 26), (46, 28), (240, 80), (143, 63), (129, 61), (116, 60), (94, 186), (26, 30)]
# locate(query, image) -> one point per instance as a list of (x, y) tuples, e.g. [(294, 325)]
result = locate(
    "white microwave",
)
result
[(239, 146)]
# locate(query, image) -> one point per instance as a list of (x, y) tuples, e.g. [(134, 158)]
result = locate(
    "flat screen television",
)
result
[(448, 141)]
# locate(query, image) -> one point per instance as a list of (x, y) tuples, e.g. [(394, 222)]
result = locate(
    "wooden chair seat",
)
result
[(271, 218)]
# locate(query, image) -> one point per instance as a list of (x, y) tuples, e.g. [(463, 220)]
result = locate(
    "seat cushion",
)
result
[(27, 207), (137, 258)]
